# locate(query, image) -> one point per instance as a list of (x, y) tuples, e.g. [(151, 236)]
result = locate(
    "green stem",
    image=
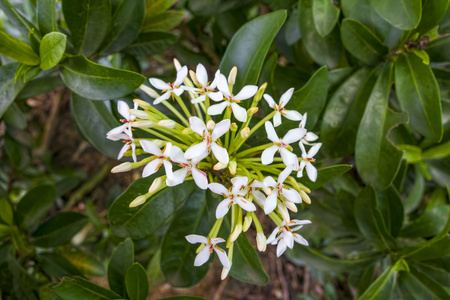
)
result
[(176, 112), (252, 150), (166, 138), (183, 106)]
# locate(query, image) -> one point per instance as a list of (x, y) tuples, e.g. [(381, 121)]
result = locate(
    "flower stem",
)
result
[(176, 112), (183, 106), (252, 150)]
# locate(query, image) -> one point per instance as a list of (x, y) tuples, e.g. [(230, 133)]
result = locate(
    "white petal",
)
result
[(161, 98), (289, 158), (292, 115), (239, 112), (133, 151), (260, 198), (181, 76), (314, 149), (267, 155), (217, 109), (311, 171), (177, 155), (220, 153), (200, 178), (196, 150), (284, 99), (150, 147), (168, 167), (197, 125), (277, 119), (222, 257), (271, 133), (123, 109), (247, 91), (178, 177), (198, 99), (298, 222), (178, 92), (271, 202), (273, 235), (303, 122), (291, 194), (218, 188), (288, 239), (195, 238), (151, 168), (202, 75), (214, 83), (215, 96), (239, 183), (281, 248), (223, 208), (113, 133), (269, 181), (299, 239), (123, 150), (159, 84), (244, 204), (222, 85), (311, 137), (202, 257), (269, 100), (284, 174), (300, 169), (220, 129), (294, 135)]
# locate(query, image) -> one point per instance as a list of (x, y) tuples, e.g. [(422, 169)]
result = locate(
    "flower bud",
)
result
[(124, 167), (236, 232), (156, 184), (305, 196), (142, 104), (210, 125), (245, 132), (224, 274), (260, 92), (284, 212), (233, 127), (176, 64), (232, 165), (290, 205), (303, 187), (251, 111), (138, 201), (139, 113), (289, 147), (293, 182), (143, 124), (188, 130), (219, 166), (167, 123), (261, 241), (232, 76), (194, 77), (247, 222), (267, 190), (149, 91)]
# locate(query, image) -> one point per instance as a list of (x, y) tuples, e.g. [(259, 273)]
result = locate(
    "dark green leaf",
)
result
[(436, 269), (125, 25), (415, 196), (438, 50), (78, 288), (88, 264), (97, 82), (325, 16), (52, 49), (325, 175), (248, 48), (151, 43), (59, 229), (121, 259), (54, 264), (428, 224), (155, 7), (382, 287), (377, 159), (361, 42), (38, 86), (17, 50), (434, 287), (19, 21), (35, 204), (439, 151), (403, 14), (137, 282), (434, 251), (163, 21), (432, 13), (88, 22), (46, 15), (143, 220), (6, 212), (391, 207), (418, 93), (15, 117)]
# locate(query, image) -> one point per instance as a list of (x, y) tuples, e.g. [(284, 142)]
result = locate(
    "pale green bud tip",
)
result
[(232, 165), (167, 123), (142, 104), (138, 113), (236, 232), (303, 187), (159, 143), (261, 241), (157, 183), (247, 222), (291, 206), (251, 111), (124, 167), (177, 64), (143, 124), (138, 201), (219, 166), (261, 91), (305, 196), (149, 91), (194, 77), (188, 130), (245, 132), (233, 127), (232, 76), (224, 274), (210, 125)]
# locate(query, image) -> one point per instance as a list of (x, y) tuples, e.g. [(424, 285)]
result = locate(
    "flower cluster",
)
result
[(208, 142)]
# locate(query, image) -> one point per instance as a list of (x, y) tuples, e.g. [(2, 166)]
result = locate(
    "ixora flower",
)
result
[(210, 245), (307, 159), (309, 136), (187, 166), (169, 87), (280, 110), (284, 236), (231, 100), (204, 88), (124, 111), (160, 158), (129, 143)]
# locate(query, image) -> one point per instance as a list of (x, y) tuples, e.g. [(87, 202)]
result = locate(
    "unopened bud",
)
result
[(224, 274), (142, 104), (261, 241), (236, 232), (138, 201), (124, 167), (232, 76), (290, 205), (176, 64), (284, 213), (247, 222), (159, 143), (267, 190), (138, 113), (245, 132), (188, 130), (260, 92), (289, 147), (149, 91), (219, 166), (143, 124), (294, 183), (233, 127), (156, 184), (303, 187), (305, 196), (232, 165), (251, 111), (167, 123), (210, 125), (194, 77)]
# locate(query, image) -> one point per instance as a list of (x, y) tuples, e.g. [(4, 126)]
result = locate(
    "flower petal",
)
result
[(133, 151), (299, 239), (196, 150), (314, 149), (202, 75), (214, 83), (202, 257), (239, 183), (223, 208), (197, 125), (260, 198), (245, 204), (311, 137), (239, 112), (178, 91), (177, 155), (195, 238), (217, 109), (294, 135), (222, 257), (269, 181), (220, 129), (288, 239), (215, 96), (222, 85), (277, 119), (218, 189), (181, 76), (113, 133), (292, 115), (123, 150), (269, 100), (220, 153), (161, 98), (150, 147), (291, 194), (284, 99), (281, 248), (289, 158), (271, 202), (199, 99), (159, 84), (267, 155), (123, 109), (178, 177), (215, 241), (247, 91), (168, 167), (284, 174), (151, 168), (273, 235), (271, 133), (200, 178), (311, 171)]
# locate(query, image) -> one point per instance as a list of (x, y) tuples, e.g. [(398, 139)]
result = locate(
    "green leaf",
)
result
[(435, 251), (97, 82), (370, 221), (403, 14), (439, 151), (428, 224), (377, 159), (121, 259), (431, 285), (324, 50), (52, 49), (325, 16), (433, 12), (177, 255), (6, 212), (15, 117), (415, 196), (325, 175), (35, 204), (78, 288), (54, 264), (46, 16), (438, 50), (435, 269), (412, 154), (88, 22), (344, 112), (38, 86), (137, 282), (382, 287), (145, 219), (59, 229), (248, 48), (361, 42), (17, 50), (155, 7), (125, 25), (418, 93), (88, 264), (151, 43), (246, 265), (94, 120), (391, 207), (163, 21), (423, 55), (19, 21)]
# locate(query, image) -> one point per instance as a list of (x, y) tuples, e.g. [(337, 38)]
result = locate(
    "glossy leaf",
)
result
[(15, 117), (403, 14), (382, 287), (415, 195), (35, 204), (423, 281), (177, 255), (151, 43), (46, 16), (78, 288), (438, 50), (94, 120), (155, 7), (432, 12), (435, 251), (97, 82), (17, 19), (88, 22), (163, 21), (137, 282), (325, 16), (248, 48), (377, 159), (6, 212), (427, 224), (52, 49), (325, 175), (38, 86), (121, 259), (54, 264), (88, 264), (59, 229), (17, 50), (125, 25), (418, 93), (143, 220), (391, 208), (361, 42)]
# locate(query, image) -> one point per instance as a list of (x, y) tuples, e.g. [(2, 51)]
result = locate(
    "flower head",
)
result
[(159, 158), (284, 236), (204, 87), (169, 87), (210, 245), (307, 160), (280, 110), (188, 166)]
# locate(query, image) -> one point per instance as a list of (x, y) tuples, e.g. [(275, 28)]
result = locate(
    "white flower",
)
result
[(210, 245), (169, 87), (124, 110), (231, 100), (277, 187), (232, 196), (187, 166), (307, 161), (209, 139), (129, 143), (160, 158), (280, 110), (205, 88), (281, 145), (309, 136), (284, 236)]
